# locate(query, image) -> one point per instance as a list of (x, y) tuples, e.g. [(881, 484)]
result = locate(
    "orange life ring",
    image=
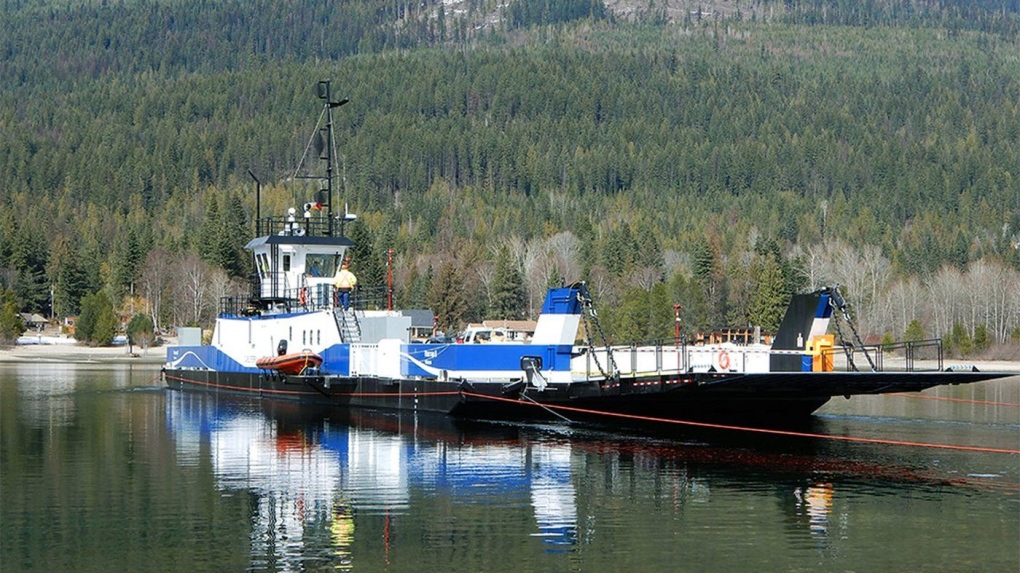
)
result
[(724, 360), (303, 296)]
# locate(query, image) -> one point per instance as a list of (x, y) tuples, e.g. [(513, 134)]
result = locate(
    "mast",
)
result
[(326, 95)]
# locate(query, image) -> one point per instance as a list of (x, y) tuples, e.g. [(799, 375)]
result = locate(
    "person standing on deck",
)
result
[(344, 282)]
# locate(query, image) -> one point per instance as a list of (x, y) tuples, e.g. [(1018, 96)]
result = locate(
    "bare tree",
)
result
[(676, 262), (978, 294), (191, 289), (539, 273), (515, 245), (986, 293), (819, 267), (155, 282), (487, 275), (943, 295), (646, 278), (994, 293), (902, 301), (863, 272), (546, 259), (1009, 297)]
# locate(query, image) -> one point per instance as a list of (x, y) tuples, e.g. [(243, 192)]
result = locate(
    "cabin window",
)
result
[(304, 335), (263, 264), (286, 263), (319, 265), (318, 337)]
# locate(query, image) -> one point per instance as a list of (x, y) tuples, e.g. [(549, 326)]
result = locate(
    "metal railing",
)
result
[(901, 356), (293, 299), (664, 356), (298, 226)]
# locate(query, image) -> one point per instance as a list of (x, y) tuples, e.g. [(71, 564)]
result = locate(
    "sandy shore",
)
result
[(73, 352)]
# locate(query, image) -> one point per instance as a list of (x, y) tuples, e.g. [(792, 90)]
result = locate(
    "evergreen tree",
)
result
[(661, 317), (209, 233), (106, 323), (695, 314), (70, 279), (140, 330), (960, 340), (914, 331), (769, 300), (97, 323), (508, 297), (706, 267), (28, 257), (649, 249), (627, 322), (85, 326), (126, 260), (415, 293), (981, 338), (366, 261), (232, 233), (11, 323), (888, 341), (623, 252), (447, 298)]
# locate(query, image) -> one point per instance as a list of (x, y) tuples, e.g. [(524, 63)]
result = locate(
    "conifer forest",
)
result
[(720, 155)]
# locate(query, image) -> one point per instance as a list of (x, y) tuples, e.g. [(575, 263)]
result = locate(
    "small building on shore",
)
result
[(34, 321)]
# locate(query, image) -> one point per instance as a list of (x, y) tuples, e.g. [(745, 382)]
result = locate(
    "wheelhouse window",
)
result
[(320, 265), (263, 264)]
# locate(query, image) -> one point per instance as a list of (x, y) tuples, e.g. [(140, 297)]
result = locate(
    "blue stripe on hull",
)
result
[(428, 360), (204, 358), (336, 360)]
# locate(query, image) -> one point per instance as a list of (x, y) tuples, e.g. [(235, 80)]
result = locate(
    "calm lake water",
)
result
[(102, 469)]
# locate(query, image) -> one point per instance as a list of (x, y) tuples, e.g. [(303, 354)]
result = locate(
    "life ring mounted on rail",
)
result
[(724, 360), (303, 296)]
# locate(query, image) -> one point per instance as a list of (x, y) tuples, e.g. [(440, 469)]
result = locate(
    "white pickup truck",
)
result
[(482, 335)]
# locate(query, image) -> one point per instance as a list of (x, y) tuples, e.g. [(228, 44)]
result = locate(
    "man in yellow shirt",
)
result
[(344, 282)]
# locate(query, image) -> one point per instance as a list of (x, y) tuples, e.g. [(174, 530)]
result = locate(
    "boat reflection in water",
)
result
[(307, 479), (368, 490), (815, 503)]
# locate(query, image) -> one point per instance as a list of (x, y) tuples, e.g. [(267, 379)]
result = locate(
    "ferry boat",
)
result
[(361, 358)]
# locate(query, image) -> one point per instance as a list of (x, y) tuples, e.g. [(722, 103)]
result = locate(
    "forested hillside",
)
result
[(719, 155)]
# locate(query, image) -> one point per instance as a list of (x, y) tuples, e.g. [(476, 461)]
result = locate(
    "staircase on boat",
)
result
[(347, 324)]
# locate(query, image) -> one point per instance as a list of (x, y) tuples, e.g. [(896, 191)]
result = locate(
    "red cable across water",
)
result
[(702, 424), (757, 430), (963, 400)]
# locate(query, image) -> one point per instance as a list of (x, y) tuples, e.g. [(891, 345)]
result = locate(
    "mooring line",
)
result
[(962, 400), (758, 430)]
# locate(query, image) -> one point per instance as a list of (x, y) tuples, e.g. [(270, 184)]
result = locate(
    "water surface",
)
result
[(101, 469)]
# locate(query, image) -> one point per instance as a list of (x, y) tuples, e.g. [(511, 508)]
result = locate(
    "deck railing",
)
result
[(294, 299), (659, 357), (298, 226)]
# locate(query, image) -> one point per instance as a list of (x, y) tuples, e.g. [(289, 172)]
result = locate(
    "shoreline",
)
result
[(73, 353)]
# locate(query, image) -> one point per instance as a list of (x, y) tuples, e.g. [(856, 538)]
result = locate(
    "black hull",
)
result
[(715, 397)]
